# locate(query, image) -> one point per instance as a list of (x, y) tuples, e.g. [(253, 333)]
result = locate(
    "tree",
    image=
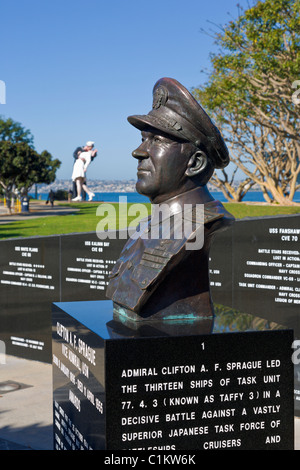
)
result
[(14, 132), (226, 184), (20, 165), (249, 93)]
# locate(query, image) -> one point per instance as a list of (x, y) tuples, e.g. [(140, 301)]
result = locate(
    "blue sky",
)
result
[(75, 69)]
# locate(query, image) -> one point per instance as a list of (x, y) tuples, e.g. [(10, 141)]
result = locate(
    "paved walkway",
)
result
[(25, 405), (37, 209), (26, 413)]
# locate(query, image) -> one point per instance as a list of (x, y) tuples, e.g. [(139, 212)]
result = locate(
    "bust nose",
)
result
[(140, 154)]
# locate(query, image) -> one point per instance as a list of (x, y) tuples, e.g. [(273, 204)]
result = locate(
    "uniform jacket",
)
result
[(160, 277)]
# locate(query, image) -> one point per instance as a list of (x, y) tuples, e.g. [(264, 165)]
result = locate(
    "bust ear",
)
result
[(197, 163)]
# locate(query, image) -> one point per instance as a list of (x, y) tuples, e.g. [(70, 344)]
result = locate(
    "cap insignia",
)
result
[(160, 97)]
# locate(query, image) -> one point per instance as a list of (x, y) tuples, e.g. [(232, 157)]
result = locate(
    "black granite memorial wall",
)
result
[(29, 282), (36, 271), (254, 268), (85, 264), (117, 388)]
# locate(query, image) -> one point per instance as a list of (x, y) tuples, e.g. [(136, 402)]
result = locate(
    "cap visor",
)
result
[(143, 122)]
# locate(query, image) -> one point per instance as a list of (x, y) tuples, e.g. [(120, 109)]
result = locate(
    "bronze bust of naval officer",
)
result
[(158, 278)]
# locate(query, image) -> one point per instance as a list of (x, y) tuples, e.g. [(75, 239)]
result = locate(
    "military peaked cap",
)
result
[(176, 112)]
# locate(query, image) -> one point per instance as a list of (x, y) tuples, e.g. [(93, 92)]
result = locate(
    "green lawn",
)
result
[(86, 219), (242, 210)]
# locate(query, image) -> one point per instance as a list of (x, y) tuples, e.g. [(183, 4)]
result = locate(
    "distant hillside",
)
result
[(100, 186), (97, 186)]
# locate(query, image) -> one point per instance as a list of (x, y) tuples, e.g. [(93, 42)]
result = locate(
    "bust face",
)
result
[(162, 163)]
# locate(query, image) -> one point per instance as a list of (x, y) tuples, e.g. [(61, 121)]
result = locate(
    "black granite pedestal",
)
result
[(125, 387)]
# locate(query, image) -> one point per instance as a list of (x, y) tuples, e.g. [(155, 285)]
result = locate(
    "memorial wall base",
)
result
[(115, 389)]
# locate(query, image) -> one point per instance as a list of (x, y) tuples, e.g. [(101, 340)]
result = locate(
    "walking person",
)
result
[(51, 197)]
